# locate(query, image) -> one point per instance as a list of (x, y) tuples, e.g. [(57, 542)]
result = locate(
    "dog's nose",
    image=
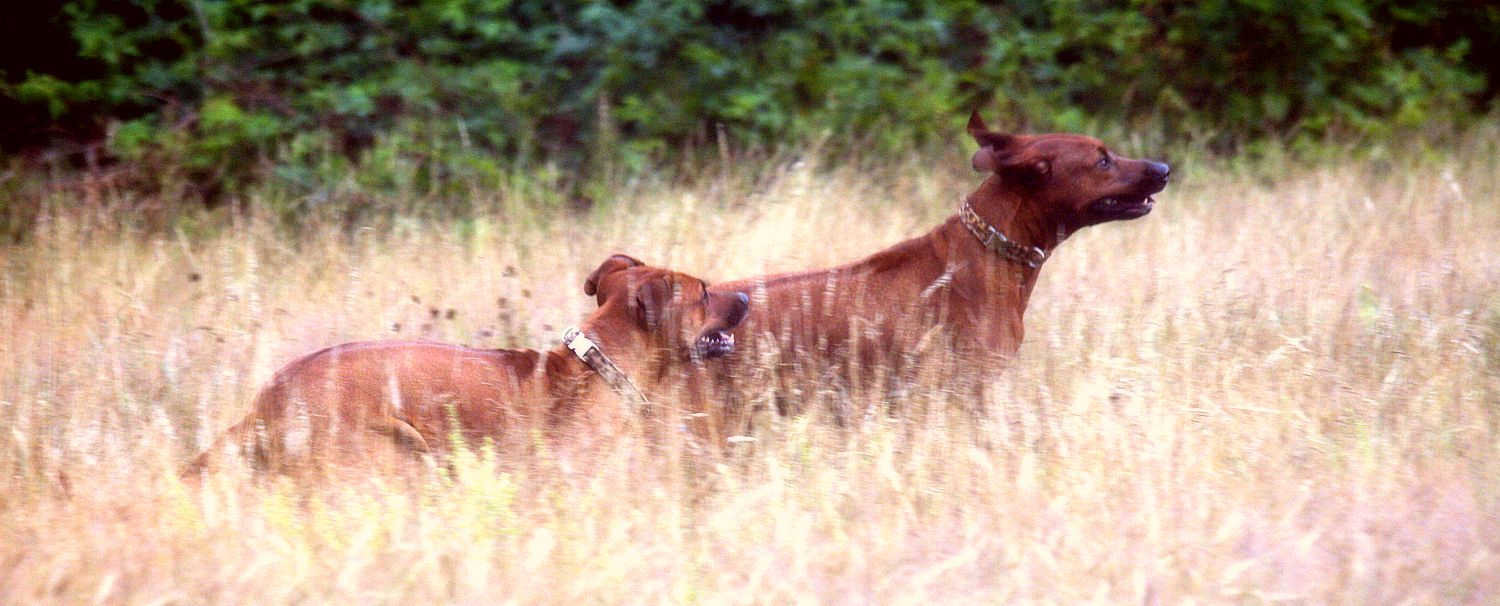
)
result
[(1159, 170), (740, 310)]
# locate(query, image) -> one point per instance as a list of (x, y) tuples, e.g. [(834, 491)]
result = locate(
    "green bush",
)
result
[(462, 90)]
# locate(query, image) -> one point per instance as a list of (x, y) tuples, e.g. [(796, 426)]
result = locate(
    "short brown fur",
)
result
[(386, 401), (1040, 189)]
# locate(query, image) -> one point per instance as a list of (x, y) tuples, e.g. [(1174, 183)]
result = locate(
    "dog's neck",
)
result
[(566, 376), (574, 374), (593, 355), (1005, 208), (1011, 278)]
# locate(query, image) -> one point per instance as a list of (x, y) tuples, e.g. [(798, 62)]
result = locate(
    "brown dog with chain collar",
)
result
[(971, 276), (382, 403)]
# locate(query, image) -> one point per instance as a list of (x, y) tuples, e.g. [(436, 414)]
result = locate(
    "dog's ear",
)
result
[(999, 152), (611, 265), (984, 136), (1011, 164), (993, 146), (651, 300)]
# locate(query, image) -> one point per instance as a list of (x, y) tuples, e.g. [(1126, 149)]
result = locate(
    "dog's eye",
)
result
[(1104, 162)]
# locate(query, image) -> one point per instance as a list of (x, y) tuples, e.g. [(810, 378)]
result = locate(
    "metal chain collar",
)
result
[(992, 239)]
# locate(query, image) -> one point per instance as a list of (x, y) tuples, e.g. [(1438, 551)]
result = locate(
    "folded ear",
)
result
[(611, 265), (999, 152), (983, 135), (651, 300), (992, 145)]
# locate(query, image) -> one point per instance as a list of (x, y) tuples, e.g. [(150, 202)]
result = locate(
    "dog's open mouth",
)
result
[(1121, 207), (716, 344)]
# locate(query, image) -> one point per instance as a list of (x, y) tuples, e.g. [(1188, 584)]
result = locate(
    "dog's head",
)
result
[(660, 309), (1074, 177)]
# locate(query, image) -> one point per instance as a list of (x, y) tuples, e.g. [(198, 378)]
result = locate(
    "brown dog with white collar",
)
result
[(965, 284), (385, 402)]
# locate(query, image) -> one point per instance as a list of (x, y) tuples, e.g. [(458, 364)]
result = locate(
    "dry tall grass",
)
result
[(1284, 385)]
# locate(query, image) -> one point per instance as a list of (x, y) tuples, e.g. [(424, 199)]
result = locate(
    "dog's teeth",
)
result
[(717, 344)]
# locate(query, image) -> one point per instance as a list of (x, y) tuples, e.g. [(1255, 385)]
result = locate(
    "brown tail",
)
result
[(265, 408), (206, 460)]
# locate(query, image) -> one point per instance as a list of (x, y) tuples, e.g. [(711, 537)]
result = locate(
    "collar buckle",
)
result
[(580, 344), (594, 358)]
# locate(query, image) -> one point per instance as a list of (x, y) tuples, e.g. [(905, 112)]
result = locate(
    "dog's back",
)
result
[(359, 401)]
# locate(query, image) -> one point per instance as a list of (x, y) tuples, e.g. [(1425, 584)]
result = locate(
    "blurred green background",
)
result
[(223, 93)]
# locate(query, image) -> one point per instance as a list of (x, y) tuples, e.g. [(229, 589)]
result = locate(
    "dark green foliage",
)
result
[(454, 91)]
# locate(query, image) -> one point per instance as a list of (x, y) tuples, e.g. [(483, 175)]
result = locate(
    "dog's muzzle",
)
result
[(717, 344)]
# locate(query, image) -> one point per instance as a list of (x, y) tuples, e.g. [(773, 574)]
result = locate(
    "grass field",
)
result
[(1282, 386)]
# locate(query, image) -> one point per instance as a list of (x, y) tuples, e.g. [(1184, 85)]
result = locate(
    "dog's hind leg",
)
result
[(397, 438), (403, 434)]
